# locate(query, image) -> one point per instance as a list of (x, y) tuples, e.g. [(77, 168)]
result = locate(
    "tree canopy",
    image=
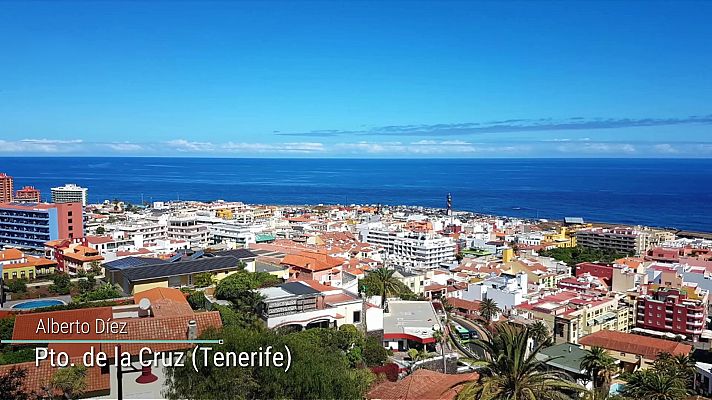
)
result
[(321, 368)]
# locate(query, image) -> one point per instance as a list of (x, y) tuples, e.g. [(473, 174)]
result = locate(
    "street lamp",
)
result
[(145, 377)]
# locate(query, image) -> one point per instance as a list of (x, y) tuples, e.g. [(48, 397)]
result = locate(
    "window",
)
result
[(357, 317), (69, 213)]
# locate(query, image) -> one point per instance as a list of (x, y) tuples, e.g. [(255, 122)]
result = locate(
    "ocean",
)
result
[(657, 192)]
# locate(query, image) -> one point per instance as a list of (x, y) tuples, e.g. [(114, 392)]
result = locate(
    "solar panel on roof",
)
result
[(298, 288), (179, 268), (131, 262), (175, 257), (197, 255)]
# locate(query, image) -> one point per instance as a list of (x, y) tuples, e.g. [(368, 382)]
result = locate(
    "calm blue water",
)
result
[(37, 304), (673, 193)]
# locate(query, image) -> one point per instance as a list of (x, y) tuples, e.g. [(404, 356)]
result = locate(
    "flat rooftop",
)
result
[(410, 317)]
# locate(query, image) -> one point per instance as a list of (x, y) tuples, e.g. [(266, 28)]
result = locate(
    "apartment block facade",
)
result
[(5, 188), (622, 240), (673, 310), (417, 250), (28, 194), (69, 193), (29, 226)]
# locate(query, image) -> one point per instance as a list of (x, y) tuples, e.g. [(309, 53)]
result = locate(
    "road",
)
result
[(473, 326)]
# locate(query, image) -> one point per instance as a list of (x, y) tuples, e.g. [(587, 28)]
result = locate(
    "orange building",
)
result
[(314, 265), (28, 194), (5, 188)]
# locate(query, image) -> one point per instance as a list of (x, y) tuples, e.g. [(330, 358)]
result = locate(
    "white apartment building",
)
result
[(507, 290), (146, 230), (415, 250), (188, 228), (69, 193), (235, 233)]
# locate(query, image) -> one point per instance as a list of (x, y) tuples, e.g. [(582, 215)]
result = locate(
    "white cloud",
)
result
[(598, 148), (189, 146), (40, 146), (665, 148), (428, 147), (125, 146), (297, 147)]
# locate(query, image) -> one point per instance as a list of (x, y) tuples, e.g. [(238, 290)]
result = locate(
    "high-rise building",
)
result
[(681, 311), (5, 188), (416, 250), (69, 193), (28, 194), (621, 240), (31, 225)]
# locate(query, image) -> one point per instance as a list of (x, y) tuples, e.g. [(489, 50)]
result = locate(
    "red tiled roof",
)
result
[(313, 261), (464, 304), (10, 254), (645, 346), (26, 326), (430, 288), (99, 239), (422, 384), (165, 302), (37, 377)]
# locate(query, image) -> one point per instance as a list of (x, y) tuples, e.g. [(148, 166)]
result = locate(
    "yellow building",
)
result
[(560, 239), (507, 254), (224, 213), (14, 264)]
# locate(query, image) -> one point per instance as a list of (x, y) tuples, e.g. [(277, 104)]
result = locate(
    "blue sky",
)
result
[(356, 79)]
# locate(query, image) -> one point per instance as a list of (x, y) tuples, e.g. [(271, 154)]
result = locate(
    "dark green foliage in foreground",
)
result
[(511, 370), (670, 378), (11, 354), (320, 369), (11, 384)]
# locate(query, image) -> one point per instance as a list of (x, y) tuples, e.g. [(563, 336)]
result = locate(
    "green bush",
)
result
[(17, 285), (61, 284)]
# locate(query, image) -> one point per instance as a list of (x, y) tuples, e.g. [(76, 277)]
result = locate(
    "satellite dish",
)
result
[(144, 304)]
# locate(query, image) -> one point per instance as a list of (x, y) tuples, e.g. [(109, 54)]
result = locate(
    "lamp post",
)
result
[(146, 376)]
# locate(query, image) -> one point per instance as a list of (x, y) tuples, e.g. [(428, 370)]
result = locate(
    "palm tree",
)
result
[(447, 308), (651, 384), (600, 367), (439, 337), (540, 332), (386, 282), (511, 371), (488, 309), (681, 365)]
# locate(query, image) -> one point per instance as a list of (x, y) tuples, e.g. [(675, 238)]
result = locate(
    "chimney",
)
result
[(192, 330)]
